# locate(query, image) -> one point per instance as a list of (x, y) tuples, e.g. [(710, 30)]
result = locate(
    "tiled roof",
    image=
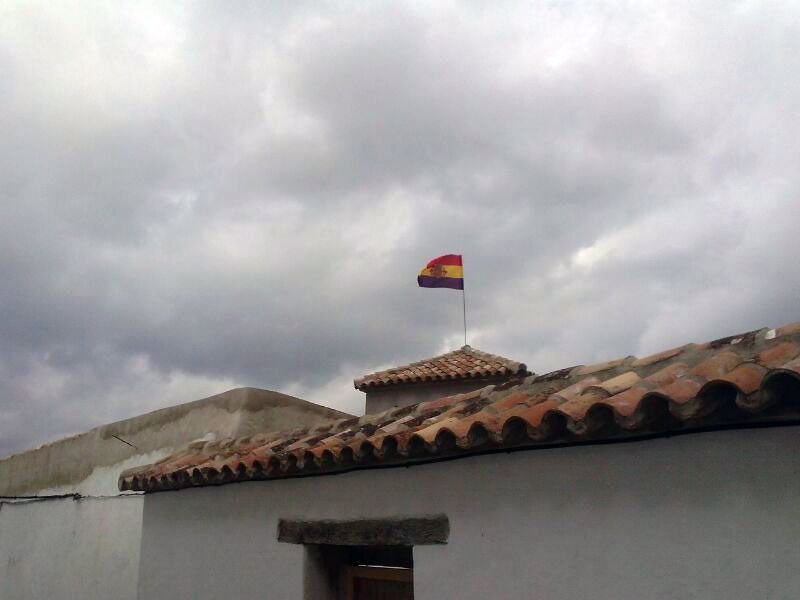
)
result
[(752, 378), (464, 363)]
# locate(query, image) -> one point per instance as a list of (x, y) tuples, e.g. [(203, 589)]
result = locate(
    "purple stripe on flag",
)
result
[(454, 283)]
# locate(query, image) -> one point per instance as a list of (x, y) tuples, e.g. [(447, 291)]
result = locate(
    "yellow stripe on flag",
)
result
[(455, 271)]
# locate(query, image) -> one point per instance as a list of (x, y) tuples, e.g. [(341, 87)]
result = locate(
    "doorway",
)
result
[(359, 573), (379, 583)]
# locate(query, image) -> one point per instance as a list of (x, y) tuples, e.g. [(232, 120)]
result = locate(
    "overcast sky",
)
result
[(198, 196)]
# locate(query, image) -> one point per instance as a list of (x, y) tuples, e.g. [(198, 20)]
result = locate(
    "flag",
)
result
[(443, 272)]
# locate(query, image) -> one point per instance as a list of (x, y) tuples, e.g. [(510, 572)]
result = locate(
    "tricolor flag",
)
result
[(443, 272)]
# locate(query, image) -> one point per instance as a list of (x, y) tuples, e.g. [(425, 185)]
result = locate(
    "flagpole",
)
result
[(464, 306)]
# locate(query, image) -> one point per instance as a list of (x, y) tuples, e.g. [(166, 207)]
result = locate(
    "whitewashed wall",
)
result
[(712, 516), (60, 549), (65, 549)]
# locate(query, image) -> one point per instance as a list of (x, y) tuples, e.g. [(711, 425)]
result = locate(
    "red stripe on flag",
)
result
[(447, 259)]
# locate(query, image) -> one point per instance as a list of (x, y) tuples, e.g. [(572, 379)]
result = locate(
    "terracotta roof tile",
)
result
[(668, 374), (465, 363), (680, 391), (574, 390), (603, 366), (778, 354), (534, 415), (753, 376), (658, 357), (747, 377), (617, 384), (793, 365), (717, 365), (789, 329), (626, 403)]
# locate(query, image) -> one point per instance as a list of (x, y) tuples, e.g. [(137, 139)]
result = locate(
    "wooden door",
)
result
[(379, 583)]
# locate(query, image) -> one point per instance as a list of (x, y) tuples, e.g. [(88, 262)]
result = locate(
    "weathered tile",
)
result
[(506, 403), (533, 415), (659, 356), (778, 354), (578, 407), (618, 384), (680, 391), (717, 365), (732, 360), (792, 365), (626, 403), (747, 377), (575, 390), (788, 329), (603, 366), (668, 374)]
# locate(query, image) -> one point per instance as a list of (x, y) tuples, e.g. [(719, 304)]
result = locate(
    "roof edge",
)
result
[(742, 381)]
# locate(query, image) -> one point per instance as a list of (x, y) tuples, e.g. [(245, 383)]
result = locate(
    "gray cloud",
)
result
[(196, 197)]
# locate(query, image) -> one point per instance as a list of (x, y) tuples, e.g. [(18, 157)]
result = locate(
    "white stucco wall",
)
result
[(712, 516), (65, 549), (60, 549)]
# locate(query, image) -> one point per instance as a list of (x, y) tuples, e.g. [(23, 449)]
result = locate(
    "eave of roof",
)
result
[(734, 381), (464, 363)]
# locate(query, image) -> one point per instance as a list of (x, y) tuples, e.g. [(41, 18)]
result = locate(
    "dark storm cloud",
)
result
[(202, 196)]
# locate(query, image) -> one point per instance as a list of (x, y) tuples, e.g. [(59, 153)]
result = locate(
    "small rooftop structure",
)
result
[(463, 370), (738, 381)]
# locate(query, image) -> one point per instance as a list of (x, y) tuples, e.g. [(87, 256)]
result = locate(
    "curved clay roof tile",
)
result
[(690, 389)]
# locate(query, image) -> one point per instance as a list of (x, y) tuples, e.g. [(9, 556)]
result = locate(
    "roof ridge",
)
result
[(425, 360), (487, 355)]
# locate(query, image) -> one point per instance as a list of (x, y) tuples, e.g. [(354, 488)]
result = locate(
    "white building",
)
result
[(672, 476), (67, 533), (669, 477)]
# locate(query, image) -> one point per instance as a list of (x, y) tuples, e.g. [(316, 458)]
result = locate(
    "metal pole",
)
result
[(464, 306)]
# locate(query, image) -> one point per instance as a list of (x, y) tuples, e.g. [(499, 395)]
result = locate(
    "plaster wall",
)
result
[(381, 399), (69, 549), (56, 548), (707, 515)]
